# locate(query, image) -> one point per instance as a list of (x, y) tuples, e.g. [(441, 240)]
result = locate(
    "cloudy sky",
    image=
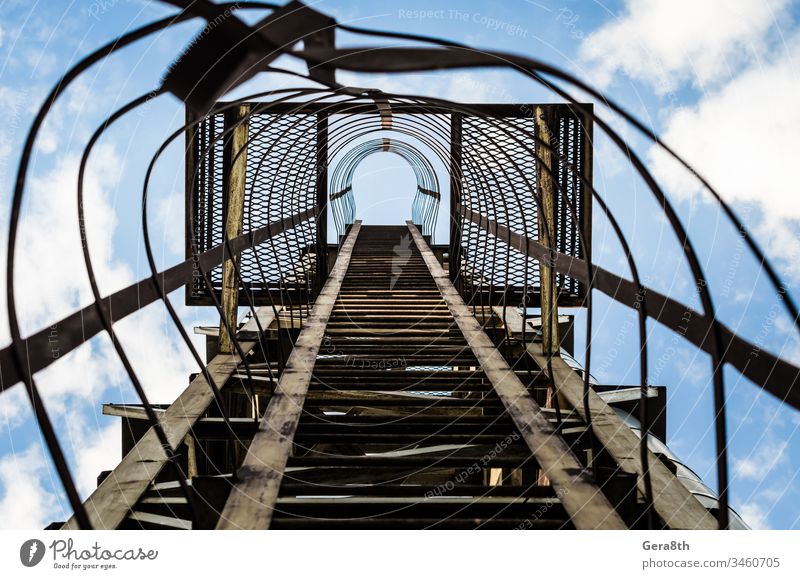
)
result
[(718, 80)]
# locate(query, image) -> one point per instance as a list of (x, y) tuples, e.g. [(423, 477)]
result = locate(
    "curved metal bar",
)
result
[(105, 318), (344, 171), (18, 348)]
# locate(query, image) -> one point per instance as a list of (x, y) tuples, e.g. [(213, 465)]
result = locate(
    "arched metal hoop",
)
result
[(427, 197)]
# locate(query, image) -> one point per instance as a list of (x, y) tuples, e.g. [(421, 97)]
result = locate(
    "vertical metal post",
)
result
[(234, 204), (547, 226)]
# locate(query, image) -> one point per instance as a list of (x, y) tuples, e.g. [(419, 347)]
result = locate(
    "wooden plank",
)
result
[(252, 499), (264, 317), (163, 500), (112, 500), (547, 226), (131, 411), (234, 213), (513, 323), (626, 395), (207, 330), (582, 499), (672, 501)]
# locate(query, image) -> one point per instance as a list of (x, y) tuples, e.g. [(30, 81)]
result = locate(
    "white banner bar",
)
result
[(390, 554)]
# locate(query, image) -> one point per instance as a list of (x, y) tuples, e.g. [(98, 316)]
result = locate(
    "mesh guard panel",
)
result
[(281, 181)]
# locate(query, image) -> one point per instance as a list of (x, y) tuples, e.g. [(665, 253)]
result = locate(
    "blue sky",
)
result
[(720, 83)]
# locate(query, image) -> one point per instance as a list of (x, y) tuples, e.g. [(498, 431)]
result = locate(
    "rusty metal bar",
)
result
[(236, 152)]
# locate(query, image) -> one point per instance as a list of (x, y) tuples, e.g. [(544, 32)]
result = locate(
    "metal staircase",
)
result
[(401, 428), (400, 407)]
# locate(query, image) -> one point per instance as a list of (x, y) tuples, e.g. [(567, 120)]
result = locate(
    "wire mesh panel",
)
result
[(209, 189), (572, 206), (499, 180), (280, 182)]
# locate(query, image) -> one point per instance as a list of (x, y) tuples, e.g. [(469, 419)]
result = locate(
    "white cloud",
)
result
[(663, 43), (13, 406), (50, 277), (80, 376), (13, 103), (741, 133), (759, 464), (743, 139), (754, 515), (51, 282), (96, 449), (78, 379), (751, 122), (465, 87), (169, 219), (161, 360), (66, 124), (50, 274), (26, 501)]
